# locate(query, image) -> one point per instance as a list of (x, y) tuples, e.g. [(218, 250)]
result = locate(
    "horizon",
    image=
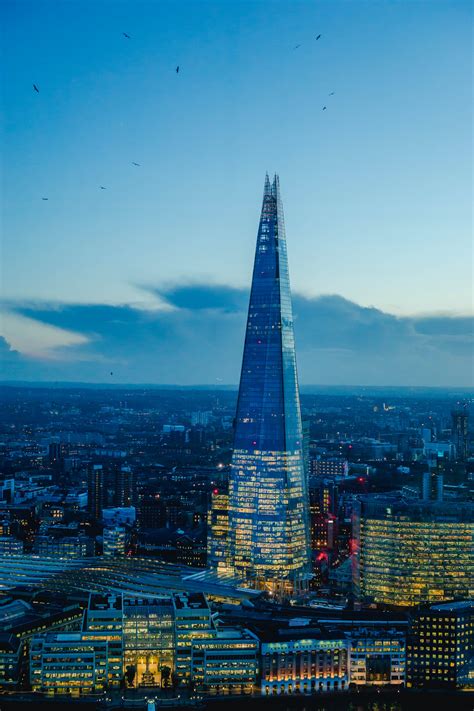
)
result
[(116, 208)]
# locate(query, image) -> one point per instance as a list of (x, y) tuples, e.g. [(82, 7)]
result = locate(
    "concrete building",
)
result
[(440, 647), (192, 620), (303, 661), (226, 663)]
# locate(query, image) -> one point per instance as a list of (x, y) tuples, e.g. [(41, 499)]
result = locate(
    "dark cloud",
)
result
[(201, 340)]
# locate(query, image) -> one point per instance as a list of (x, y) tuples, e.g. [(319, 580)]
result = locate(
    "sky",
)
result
[(136, 279)]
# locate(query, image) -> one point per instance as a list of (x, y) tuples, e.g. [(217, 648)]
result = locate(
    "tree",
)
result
[(165, 676), (130, 672), (175, 680)]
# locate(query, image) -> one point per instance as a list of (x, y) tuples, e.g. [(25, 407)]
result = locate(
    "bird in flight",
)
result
[(125, 35), (177, 69), (133, 163), (36, 88), (102, 187), (298, 45), (45, 198), (318, 37), (324, 108)]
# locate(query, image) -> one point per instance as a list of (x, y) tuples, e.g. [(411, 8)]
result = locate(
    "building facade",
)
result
[(268, 498), (306, 665), (227, 663), (409, 552), (192, 620), (440, 647), (376, 658), (218, 554), (148, 636)]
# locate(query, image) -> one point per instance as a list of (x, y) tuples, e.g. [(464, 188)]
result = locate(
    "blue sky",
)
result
[(377, 188)]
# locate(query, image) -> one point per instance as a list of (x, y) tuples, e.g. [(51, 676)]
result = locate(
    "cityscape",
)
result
[(197, 542)]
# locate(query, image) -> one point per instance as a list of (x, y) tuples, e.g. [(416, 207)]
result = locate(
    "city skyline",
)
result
[(377, 196)]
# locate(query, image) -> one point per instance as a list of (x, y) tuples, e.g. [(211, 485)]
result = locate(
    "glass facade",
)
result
[(268, 500), (409, 553), (148, 635)]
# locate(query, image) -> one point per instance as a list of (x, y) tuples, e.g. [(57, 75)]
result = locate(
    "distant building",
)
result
[(115, 541), (201, 418), (439, 450), (125, 486), (409, 552), (460, 432), (440, 647), (152, 512), (96, 489), (120, 516), (9, 545), (218, 554), (10, 660), (331, 467), (64, 547)]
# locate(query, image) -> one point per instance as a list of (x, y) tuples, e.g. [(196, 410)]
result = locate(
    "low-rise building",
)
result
[(11, 649), (73, 663), (303, 661), (226, 663), (376, 656), (440, 647)]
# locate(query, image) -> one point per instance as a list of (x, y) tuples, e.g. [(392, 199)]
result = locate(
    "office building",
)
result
[(115, 541), (148, 637), (406, 552), (376, 656), (268, 498), (96, 489), (192, 620), (11, 649), (218, 554), (64, 547), (9, 545), (303, 661), (125, 488), (460, 432), (226, 663), (73, 663), (440, 647), (331, 467)]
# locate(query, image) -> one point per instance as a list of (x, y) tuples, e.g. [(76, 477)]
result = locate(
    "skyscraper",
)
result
[(268, 498), (460, 431)]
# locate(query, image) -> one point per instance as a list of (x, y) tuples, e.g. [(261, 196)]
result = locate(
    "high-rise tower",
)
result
[(268, 498)]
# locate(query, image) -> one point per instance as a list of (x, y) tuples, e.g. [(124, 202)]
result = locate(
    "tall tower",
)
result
[(268, 497), (460, 431)]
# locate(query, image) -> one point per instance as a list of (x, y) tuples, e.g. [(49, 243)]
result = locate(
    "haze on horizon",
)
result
[(149, 278)]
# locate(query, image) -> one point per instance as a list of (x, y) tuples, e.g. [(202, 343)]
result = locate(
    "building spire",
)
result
[(267, 190)]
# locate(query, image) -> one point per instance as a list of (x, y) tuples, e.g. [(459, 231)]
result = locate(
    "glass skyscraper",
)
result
[(268, 498)]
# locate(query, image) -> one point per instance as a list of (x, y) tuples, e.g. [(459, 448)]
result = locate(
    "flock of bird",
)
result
[(128, 37)]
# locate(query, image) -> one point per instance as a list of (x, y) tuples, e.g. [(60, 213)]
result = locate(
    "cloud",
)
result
[(36, 338), (199, 340)]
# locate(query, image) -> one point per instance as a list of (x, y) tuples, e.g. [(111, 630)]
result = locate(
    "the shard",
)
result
[(268, 499)]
